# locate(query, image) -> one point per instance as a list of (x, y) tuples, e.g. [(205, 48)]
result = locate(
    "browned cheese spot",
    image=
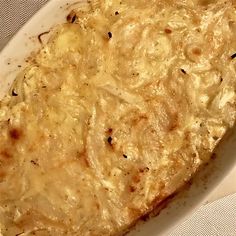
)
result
[(136, 178), (109, 131), (5, 154), (168, 31), (35, 163), (2, 175), (15, 134), (197, 51), (132, 189), (143, 170), (97, 205)]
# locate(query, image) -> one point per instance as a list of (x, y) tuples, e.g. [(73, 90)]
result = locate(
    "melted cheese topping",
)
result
[(114, 114)]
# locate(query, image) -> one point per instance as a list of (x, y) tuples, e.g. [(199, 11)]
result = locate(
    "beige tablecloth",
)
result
[(215, 219)]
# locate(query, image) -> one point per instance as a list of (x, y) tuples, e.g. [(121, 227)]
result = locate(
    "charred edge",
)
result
[(72, 17), (154, 211), (162, 204), (215, 138), (142, 170), (109, 140), (213, 156), (233, 56), (34, 163), (42, 34), (109, 35), (20, 233), (159, 205), (183, 71), (13, 93), (145, 218)]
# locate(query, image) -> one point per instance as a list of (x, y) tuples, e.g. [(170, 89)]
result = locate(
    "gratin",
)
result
[(114, 114)]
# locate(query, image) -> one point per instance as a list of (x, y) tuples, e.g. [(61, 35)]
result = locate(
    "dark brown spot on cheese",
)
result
[(168, 31), (194, 155), (132, 189), (197, 51), (136, 178), (109, 140), (34, 162), (142, 170), (97, 205), (183, 71), (109, 131), (15, 134), (110, 35), (13, 93)]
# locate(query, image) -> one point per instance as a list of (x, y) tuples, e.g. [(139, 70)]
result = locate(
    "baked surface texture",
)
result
[(117, 111)]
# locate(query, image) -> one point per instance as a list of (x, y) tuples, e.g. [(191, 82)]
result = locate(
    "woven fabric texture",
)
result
[(14, 13), (215, 219)]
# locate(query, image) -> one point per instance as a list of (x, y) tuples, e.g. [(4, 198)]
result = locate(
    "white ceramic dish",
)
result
[(26, 41)]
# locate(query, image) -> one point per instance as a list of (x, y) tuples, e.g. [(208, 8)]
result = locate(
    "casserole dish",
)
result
[(28, 39)]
